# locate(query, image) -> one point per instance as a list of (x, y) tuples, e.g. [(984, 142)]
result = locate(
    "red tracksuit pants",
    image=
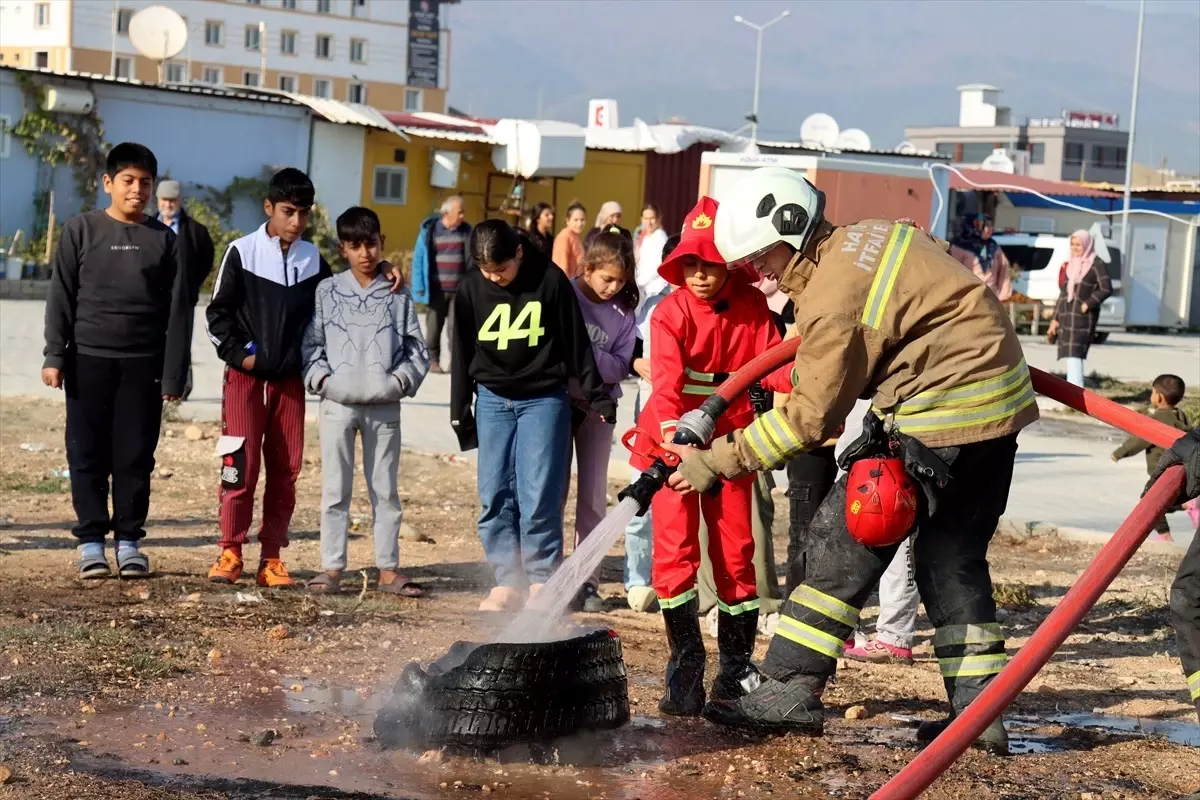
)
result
[(676, 557), (269, 416)]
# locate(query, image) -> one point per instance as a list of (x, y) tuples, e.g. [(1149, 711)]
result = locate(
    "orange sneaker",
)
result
[(227, 569), (273, 574)]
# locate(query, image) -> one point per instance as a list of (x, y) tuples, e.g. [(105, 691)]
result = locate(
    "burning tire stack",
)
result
[(490, 696)]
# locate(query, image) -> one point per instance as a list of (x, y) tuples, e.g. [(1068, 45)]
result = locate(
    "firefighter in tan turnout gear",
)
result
[(884, 313)]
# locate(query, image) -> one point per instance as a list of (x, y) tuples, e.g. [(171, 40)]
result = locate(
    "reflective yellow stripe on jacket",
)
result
[(1194, 684), (702, 383), (885, 278), (977, 403), (772, 439)]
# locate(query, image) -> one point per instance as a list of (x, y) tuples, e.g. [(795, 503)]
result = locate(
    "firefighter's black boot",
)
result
[(735, 638), (774, 707), (962, 691), (685, 669)]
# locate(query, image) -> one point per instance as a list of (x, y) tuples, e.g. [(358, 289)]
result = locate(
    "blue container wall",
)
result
[(197, 139)]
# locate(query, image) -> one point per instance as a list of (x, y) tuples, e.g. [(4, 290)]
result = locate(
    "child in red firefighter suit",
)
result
[(698, 337)]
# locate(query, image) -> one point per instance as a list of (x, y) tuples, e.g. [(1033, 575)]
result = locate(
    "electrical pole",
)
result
[(262, 51), (1137, 68), (758, 29)]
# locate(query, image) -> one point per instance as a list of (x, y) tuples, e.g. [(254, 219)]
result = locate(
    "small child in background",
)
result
[(608, 298), (363, 352), (1165, 394)]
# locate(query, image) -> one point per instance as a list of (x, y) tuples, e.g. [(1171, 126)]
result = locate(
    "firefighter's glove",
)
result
[(700, 471), (464, 429), (761, 399), (1185, 451)]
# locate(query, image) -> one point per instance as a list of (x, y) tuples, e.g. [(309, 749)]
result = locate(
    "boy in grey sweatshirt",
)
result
[(363, 352)]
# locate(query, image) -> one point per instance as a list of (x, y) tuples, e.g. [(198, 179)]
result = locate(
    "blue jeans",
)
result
[(639, 533), (524, 466), (1075, 371)]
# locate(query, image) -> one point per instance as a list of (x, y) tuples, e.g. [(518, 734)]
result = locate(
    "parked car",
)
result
[(1038, 256)]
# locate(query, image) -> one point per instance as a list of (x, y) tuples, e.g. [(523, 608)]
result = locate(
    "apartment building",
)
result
[(351, 50), (1074, 146)]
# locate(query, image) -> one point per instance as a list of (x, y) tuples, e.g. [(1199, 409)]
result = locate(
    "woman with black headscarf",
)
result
[(975, 248)]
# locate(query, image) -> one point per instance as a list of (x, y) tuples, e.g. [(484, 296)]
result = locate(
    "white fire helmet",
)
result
[(767, 206)]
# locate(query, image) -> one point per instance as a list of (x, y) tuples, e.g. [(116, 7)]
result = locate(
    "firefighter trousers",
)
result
[(676, 556), (950, 555), (1185, 615)]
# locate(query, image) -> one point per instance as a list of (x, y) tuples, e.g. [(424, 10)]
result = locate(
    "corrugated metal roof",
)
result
[(1026, 184), (256, 95), (440, 126), (665, 138), (345, 113), (924, 155)]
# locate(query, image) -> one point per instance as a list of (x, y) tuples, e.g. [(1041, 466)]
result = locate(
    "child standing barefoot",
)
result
[(607, 297)]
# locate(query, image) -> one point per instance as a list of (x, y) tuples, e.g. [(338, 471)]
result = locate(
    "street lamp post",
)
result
[(758, 29), (1126, 258)]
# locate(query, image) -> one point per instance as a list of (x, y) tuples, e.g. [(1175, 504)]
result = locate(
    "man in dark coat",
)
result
[(194, 250)]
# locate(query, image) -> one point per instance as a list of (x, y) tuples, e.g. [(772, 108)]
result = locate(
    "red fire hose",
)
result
[(942, 752)]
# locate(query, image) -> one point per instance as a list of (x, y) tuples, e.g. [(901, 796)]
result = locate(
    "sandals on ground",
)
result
[(404, 587), (325, 583), (133, 564), (97, 568)]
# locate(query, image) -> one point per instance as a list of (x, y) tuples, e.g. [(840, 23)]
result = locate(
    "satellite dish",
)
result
[(907, 148), (819, 130), (853, 139), (158, 33)]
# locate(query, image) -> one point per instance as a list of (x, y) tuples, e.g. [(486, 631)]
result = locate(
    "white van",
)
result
[(1038, 256)]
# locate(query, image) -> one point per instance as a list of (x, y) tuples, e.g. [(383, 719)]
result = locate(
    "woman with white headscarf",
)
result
[(1084, 284), (609, 219)]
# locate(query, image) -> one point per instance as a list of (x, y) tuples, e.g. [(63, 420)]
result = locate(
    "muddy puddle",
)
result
[(304, 735)]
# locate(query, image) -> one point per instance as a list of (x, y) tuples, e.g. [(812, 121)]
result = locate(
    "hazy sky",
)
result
[(873, 64)]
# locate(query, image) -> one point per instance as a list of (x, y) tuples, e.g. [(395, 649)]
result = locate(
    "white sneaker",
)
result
[(711, 621), (642, 599), (767, 623)]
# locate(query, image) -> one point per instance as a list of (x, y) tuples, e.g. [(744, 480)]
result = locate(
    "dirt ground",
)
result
[(152, 689)]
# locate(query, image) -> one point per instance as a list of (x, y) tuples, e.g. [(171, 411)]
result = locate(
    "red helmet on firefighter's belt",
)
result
[(881, 501)]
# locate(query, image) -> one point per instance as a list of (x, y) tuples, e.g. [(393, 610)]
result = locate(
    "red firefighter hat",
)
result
[(881, 502), (696, 239)]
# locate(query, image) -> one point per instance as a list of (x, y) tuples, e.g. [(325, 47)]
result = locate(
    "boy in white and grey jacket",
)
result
[(363, 352)]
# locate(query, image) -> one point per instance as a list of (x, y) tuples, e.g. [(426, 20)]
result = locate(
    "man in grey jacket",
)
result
[(363, 352)]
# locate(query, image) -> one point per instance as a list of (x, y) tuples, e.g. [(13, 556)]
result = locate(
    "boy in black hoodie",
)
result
[(519, 337), (110, 303)]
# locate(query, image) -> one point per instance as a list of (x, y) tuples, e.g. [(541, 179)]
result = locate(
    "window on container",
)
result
[(1073, 153), (976, 152), (287, 83), (5, 136), (323, 6), (212, 75), (322, 88), (358, 8), (176, 73), (253, 38), (324, 46), (123, 67), (391, 185), (287, 43), (414, 100), (356, 93), (41, 59), (123, 17), (1037, 153), (358, 50), (41, 15), (289, 5), (214, 33), (946, 148)]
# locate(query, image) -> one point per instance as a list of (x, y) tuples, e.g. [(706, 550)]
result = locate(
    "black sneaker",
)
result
[(772, 707)]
